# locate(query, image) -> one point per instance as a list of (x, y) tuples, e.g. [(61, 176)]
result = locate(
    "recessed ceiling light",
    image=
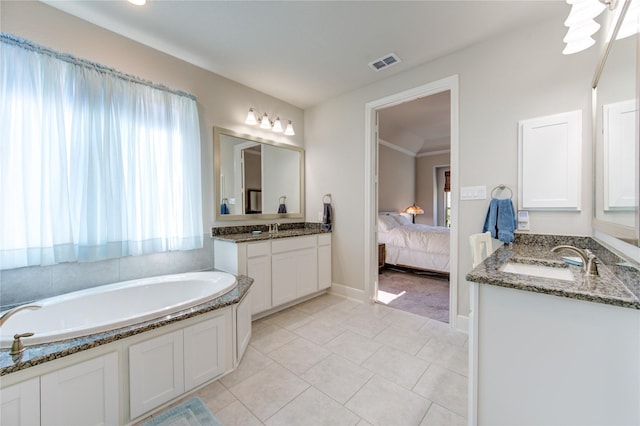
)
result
[(138, 2)]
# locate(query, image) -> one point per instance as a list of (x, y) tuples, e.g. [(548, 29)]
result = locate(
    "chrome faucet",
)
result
[(10, 312), (589, 265), (273, 228)]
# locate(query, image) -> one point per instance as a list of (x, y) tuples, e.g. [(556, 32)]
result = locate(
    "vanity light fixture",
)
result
[(265, 123), (582, 25)]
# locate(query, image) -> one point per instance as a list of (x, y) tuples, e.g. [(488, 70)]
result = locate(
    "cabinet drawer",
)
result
[(258, 249), (324, 239), (290, 244)]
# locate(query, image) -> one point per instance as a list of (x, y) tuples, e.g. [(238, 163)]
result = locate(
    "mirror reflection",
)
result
[(257, 178), (616, 142)]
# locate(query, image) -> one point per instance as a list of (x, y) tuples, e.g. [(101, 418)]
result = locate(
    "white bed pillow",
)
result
[(386, 223), (402, 219)]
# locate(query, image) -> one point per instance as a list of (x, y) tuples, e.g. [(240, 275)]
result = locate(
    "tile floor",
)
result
[(334, 361)]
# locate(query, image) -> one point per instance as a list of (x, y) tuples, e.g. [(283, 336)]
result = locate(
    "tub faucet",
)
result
[(589, 265), (10, 312)]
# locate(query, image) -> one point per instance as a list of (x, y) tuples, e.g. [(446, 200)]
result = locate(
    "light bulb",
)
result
[(289, 130), (265, 123), (581, 31), (578, 46), (251, 118), (277, 126)]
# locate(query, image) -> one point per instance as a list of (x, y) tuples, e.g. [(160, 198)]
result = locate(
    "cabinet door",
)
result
[(20, 403), (155, 372), (307, 272), (324, 261), (243, 325), (204, 351), (83, 394), (284, 276), (259, 268)]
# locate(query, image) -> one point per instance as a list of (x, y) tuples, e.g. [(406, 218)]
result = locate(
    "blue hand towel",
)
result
[(282, 208), (224, 209), (501, 220)]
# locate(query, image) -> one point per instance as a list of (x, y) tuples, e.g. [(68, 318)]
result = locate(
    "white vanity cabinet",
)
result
[(164, 367), (283, 269), (543, 359)]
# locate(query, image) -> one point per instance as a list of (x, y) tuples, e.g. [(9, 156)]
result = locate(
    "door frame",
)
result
[(371, 187)]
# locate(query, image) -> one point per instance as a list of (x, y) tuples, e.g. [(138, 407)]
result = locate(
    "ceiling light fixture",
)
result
[(582, 25), (138, 2), (265, 123)]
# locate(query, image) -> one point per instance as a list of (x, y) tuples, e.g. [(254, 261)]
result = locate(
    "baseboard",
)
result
[(350, 292), (462, 323)]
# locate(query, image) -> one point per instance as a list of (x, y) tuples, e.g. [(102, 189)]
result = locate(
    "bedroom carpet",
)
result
[(420, 294)]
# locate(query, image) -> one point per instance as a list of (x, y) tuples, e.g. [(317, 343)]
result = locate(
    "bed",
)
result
[(412, 245)]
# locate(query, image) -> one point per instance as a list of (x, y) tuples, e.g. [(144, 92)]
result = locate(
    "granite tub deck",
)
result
[(39, 354), (243, 234), (618, 282)]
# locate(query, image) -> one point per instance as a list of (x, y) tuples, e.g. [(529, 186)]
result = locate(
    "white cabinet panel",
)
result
[(259, 268), (155, 372), (619, 138), (550, 154), (243, 325), (20, 404), (307, 271), (204, 352), (283, 278), (324, 261), (84, 394)]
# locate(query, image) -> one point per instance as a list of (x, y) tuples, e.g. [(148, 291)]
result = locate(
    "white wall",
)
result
[(503, 80), (396, 181)]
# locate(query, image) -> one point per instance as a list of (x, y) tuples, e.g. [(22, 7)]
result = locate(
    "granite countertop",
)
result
[(616, 284), (243, 234), (38, 354)]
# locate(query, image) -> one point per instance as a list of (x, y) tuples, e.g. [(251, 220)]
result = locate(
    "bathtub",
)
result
[(113, 306)]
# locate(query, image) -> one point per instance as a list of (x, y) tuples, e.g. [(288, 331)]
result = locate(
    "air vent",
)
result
[(384, 62)]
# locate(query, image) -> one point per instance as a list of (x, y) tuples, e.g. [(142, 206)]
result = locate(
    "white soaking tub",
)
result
[(113, 306)]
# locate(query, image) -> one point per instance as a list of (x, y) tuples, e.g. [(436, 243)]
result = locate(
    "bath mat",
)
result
[(192, 412)]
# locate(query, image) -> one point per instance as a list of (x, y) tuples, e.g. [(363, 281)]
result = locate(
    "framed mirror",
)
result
[(256, 178), (616, 135)]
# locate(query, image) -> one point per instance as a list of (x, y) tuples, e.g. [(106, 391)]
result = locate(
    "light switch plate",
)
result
[(473, 192)]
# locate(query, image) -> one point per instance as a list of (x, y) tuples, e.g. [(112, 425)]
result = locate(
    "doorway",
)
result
[(372, 184)]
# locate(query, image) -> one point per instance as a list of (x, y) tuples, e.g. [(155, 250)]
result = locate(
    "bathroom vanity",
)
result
[(287, 266), (552, 348)]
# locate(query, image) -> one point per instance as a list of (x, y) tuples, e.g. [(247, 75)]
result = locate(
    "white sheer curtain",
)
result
[(93, 164)]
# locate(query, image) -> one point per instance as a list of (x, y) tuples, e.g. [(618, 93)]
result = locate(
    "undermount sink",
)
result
[(564, 274)]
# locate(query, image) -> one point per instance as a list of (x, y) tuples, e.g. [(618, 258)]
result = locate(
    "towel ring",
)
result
[(324, 198), (501, 188), (282, 199)]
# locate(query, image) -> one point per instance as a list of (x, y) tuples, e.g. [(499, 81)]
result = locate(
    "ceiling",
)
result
[(305, 52)]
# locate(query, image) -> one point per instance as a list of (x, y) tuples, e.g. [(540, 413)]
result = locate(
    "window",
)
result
[(94, 164)]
